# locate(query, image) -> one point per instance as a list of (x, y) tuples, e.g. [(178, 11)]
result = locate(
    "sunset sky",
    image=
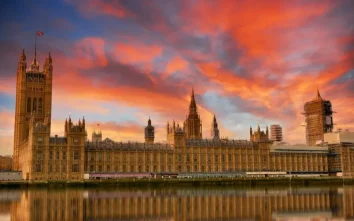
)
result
[(119, 62)]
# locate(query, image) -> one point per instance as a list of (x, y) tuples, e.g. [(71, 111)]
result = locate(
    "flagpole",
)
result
[(35, 49)]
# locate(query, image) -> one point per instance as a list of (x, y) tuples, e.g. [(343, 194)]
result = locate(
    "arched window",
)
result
[(28, 105), (34, 104), (40, 105)]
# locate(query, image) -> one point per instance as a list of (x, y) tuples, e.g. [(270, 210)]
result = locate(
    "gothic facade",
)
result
[(41, 156)]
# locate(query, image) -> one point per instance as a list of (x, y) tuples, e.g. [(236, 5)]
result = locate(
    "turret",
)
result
[(22, 64), (149, 133), (215, 129)]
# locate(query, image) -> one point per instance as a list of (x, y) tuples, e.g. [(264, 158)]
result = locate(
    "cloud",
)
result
[(90, 53), (174, 65), (137, 53), (99, 7), (261, 61)]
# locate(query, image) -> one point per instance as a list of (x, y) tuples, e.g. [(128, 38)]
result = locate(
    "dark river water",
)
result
[(177, 203)]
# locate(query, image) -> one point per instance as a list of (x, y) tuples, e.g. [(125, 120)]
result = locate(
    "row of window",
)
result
[(169, 168), (37, 167), (34, 105), (76, 155), (35, 89)]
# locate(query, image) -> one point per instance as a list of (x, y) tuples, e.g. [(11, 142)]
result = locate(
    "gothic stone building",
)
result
[(42, 157)]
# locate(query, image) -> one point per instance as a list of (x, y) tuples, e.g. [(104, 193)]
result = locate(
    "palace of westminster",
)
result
[(40, 156)]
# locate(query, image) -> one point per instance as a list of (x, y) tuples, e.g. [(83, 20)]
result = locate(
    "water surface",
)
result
[(179, 203)]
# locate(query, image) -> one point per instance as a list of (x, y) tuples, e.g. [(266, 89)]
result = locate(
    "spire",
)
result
[(192, 105), (22, 62), (23, 56), (50, 58), (215, 129), (258, 128), (149, 121), (318, 95), (215, 123), (192, 93)]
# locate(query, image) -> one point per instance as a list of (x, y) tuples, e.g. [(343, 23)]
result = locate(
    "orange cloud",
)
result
[(90, 53), (175, 64), (137, 53), (112, 8)]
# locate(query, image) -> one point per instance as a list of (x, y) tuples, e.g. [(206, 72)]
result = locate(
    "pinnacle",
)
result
[(318, 95)]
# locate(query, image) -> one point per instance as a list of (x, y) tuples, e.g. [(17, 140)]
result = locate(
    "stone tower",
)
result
[(193, 124), (33, 97), (149, 133), (97, 136), (175, 135), (215, 130), (259, 135), (318, 114)]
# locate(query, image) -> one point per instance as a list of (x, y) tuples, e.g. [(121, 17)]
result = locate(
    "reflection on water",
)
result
[(203, 203)]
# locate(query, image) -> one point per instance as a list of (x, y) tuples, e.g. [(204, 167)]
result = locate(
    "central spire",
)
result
[(193, 124), (192, 105)]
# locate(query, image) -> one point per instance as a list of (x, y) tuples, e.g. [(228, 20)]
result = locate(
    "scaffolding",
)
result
[(318, 114)]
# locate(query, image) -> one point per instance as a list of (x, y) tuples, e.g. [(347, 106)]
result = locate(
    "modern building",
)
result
[(40, 156), (318, 114), (276, 133)]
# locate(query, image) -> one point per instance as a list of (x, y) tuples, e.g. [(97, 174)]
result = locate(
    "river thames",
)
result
[(177, 203)]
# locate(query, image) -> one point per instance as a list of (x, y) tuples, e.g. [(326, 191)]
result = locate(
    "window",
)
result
[(57, 155), (29, 105), (63, 168), (34, 104), (75, 168), (38, 168), (108, 168), (91, 168), (76, 155), (39, 155), (40, 105), (64, 155), (51, 155), (50, 168)]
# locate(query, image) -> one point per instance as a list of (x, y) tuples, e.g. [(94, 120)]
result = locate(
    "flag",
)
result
[(39, 33)]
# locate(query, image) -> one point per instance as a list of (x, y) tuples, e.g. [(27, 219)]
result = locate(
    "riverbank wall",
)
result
[(242, 182)]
